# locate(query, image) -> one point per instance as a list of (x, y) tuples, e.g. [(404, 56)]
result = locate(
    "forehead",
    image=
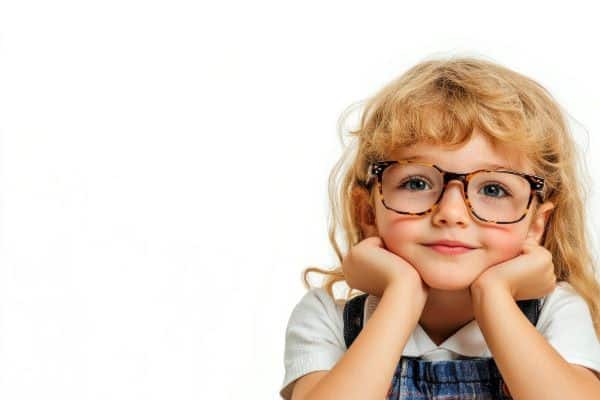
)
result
[(478, 153)]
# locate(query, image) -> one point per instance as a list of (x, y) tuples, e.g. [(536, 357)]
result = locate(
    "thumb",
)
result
[(374, 241)]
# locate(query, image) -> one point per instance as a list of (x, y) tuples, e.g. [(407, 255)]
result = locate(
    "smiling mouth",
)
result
[(451, 250)]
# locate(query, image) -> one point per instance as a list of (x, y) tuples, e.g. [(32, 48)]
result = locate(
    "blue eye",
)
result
[(497, 188), (417, 187)]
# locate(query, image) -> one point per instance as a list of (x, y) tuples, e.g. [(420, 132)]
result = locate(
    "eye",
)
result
[(414, 179), (495, 189)]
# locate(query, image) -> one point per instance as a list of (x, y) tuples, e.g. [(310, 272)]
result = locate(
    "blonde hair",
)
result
[(442, 101)]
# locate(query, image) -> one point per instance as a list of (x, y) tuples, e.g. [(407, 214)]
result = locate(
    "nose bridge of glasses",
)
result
[(460, 181), (451, 176)]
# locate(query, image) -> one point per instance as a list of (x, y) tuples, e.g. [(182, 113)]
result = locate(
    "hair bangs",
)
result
[(445, 118)]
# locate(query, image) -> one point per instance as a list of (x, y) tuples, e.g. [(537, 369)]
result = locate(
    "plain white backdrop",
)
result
[(164, 165)]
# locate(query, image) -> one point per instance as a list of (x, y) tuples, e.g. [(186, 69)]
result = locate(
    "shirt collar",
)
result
[(467, 341)]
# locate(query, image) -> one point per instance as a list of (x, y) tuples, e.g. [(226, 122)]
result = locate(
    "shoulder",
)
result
[(322, 296), (566, 323), (317, 309), (563, 299), (314, 338)]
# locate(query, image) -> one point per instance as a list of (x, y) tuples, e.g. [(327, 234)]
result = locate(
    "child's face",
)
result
[(405, 235)]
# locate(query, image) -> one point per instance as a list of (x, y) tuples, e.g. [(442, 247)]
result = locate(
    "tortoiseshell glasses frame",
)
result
[(377, 168)]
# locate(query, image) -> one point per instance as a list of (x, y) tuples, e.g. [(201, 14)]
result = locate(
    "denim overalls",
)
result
[(418, 379)]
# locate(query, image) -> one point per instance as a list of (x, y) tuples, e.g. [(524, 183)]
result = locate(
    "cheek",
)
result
[(400, 232), (502, 244)]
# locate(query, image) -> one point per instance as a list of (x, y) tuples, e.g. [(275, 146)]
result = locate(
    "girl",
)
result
[(463, 213)]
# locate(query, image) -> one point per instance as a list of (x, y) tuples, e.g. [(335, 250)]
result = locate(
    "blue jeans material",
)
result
[(418, 379)]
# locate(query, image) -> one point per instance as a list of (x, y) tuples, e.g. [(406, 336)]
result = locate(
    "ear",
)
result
[(539, 221), (364, 212)]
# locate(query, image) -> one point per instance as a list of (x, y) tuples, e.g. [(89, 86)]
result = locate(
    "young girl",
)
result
[(463, 214)]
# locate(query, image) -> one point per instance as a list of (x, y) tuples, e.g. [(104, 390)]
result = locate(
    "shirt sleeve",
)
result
[(314, 339), (566, 322)]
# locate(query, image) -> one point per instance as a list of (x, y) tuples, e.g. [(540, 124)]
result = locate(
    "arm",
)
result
[(512, 338), (366, 369)]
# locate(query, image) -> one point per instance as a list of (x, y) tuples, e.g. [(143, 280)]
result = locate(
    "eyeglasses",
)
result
[(494, 196)]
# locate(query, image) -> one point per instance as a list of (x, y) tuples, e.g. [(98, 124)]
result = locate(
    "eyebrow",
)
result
[(481, 166)]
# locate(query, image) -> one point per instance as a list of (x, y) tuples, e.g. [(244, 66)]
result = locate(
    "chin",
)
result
[(449, 286), (449, 278)]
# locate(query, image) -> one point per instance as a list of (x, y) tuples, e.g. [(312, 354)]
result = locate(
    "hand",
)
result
[(371, 268), (530, 275)]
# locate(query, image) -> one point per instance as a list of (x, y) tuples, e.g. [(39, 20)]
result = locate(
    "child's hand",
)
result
[(371, 268), (527, 276)]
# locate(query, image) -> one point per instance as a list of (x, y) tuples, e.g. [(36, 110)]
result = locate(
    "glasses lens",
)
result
[(411, 188), (494, 196), (499, 196)]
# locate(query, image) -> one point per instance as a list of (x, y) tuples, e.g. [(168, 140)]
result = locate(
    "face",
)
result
[(406, 235)]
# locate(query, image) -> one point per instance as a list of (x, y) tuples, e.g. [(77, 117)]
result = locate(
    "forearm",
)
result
[(366, 369), (530, 366)]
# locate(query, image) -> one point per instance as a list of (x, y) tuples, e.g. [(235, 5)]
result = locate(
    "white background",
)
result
[(164, 165)]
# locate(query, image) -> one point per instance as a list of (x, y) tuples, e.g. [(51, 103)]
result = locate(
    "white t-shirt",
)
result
[(314, 338)]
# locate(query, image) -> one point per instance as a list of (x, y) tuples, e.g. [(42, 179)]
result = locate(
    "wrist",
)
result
[(482, 292), (488, 284), (408, 290)]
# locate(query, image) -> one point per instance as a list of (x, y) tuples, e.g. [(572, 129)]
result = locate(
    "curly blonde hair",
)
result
[(441, 101)]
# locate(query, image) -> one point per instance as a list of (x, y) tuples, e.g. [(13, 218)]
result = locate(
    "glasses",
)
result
[(495, 196)]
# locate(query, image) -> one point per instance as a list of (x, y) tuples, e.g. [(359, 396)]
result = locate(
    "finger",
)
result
[(528, 246), (376, 239)]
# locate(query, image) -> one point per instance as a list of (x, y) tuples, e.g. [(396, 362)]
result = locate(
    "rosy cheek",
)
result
[(399, 233), (502, 245)]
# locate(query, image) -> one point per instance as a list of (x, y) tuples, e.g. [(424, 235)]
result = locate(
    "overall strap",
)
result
[(354, 315), (353, 318)]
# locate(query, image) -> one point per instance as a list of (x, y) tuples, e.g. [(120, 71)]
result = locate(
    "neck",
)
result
[(445, 312)]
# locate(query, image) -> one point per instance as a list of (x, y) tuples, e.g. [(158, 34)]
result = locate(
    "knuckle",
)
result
[(547, 254)]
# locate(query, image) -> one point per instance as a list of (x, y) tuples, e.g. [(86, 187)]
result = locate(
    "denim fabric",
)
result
[(476, 378), (418, 379)]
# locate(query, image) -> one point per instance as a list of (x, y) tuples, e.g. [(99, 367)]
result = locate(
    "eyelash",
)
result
[(415, 178)]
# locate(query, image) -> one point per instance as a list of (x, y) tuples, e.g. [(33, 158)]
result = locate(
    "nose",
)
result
[(452, 209)]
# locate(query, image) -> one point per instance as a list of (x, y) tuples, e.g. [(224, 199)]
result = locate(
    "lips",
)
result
[(450, 244), (449, 249)]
